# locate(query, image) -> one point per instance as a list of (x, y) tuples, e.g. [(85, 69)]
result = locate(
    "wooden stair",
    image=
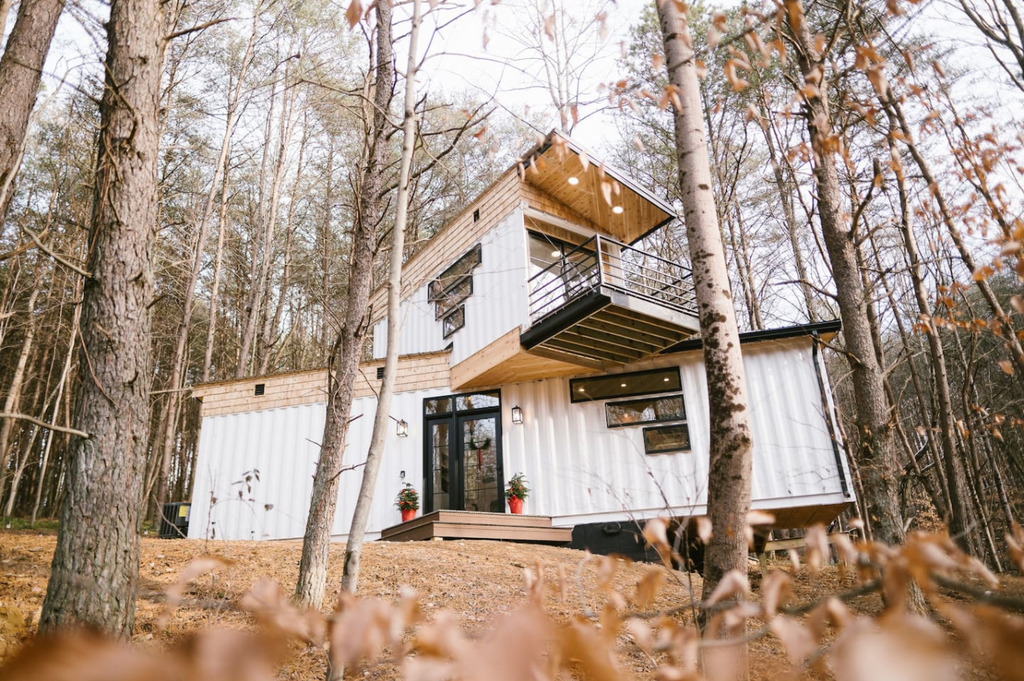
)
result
[(529, 529)]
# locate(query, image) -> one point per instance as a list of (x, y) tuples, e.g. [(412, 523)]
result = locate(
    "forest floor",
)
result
[(477, 580)]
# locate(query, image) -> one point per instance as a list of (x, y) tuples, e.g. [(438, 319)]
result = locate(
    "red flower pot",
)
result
[(515, 504), (408, 514)]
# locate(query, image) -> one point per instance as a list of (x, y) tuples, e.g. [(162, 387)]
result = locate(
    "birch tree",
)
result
[(382, 416), (731, 444)]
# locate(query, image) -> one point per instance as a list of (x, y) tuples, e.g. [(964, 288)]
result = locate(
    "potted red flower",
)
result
[(408, 502), (517, 492)]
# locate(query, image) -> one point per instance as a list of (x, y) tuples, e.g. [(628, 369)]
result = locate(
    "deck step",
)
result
[(476, 525)]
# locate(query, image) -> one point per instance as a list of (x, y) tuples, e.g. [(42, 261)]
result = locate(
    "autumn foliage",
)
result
[(824, 638)]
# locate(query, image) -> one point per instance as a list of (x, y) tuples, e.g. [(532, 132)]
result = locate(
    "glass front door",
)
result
[(463, 467)]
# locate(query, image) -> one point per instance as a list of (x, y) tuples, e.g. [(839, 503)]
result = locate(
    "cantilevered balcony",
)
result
[(605, 303)]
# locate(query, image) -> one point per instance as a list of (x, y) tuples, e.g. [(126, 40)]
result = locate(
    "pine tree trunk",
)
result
[(348, 345), (877, 460), (382, 416), (731, 445), (21, 69), (94, 575)]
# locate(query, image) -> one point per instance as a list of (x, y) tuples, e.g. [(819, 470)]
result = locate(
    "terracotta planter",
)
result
[(515, 504), (408, 515)]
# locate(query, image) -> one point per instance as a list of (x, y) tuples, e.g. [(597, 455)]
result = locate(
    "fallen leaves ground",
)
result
[(477, 580)]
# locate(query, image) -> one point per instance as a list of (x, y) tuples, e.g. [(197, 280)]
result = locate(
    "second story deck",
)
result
[(541, 276)]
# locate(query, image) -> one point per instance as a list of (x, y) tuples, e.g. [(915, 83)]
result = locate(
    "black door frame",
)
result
[(456, 455)]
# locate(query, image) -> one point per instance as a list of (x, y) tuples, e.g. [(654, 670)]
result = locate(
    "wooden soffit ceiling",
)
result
[(603, 195)]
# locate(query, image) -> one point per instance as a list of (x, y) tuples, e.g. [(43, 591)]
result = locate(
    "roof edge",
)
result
[(832, 326)]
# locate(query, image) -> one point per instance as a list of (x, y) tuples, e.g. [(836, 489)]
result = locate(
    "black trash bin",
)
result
[(174, 522)]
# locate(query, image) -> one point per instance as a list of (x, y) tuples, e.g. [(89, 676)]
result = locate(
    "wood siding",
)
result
[(415, 372)]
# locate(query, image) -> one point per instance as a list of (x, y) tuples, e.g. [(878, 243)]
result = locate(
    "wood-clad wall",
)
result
[(415, 372)]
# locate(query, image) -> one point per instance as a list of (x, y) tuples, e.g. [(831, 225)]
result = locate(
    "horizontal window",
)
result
[(467, 402), (454, 274), (454, 321), (453, 296), (648, 410), (667, 439), (625, 385)]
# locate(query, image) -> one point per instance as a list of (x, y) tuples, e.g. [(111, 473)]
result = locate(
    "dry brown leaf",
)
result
[(704, 532), (799, 641), (580, 643), (647, 587), (776, 590), (906, 647), (732, 584), (353, 13), (173, 593)]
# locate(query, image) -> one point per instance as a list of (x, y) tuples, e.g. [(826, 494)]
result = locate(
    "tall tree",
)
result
[(94, 574), (731, 444), (347, 348), (21, 69), (382, 416)]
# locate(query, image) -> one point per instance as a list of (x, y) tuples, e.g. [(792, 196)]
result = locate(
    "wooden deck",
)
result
[(529, 529)]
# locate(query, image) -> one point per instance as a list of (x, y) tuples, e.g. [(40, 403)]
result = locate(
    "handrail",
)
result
[(601, 261)]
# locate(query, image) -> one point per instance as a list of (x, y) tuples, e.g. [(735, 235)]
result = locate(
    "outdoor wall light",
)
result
[(517, 415), (402, 428)]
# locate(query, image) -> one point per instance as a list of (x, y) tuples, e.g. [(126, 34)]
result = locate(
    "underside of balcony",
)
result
[(604, 327)]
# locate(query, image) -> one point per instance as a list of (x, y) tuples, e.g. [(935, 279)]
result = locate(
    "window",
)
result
[(454, 321), (433, 406), (625, 385), (667, 439), (649, 410), (454, 274), (447, 301)]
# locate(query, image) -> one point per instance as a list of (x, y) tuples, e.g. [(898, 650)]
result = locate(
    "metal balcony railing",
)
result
[(604, 262)]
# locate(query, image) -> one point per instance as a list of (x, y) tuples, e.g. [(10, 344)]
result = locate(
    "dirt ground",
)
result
[(477, 580)]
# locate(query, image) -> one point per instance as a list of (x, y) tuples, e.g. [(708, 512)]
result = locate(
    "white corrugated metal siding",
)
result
[(497, 305), (499, 302), (279, 443), (580, 468)]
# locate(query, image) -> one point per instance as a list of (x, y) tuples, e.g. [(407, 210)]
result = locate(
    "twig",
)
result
[(60, 259), (44, 424), (200, 27)]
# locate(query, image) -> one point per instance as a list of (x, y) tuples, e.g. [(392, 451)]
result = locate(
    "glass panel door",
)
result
[(480, 464), (443, 476)]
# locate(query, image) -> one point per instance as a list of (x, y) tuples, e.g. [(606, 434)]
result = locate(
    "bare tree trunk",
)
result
[(94, 575), (959, 513), (21, 69), (381, 419), (877, 459), (260, 283), (17, 381), (1013, 343), (198, 248), (5, 11), (792, 227), (61, 387), (348, 345), (731, 445), (218, 259)]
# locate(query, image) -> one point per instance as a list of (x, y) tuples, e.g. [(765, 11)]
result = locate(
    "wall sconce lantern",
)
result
[(402, 428), (517, 415)]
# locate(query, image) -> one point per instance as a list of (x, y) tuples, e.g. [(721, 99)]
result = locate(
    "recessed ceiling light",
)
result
[(622, 385), (573, 181), (582, 390), (617, 209), (666, 380), (555, 254)]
